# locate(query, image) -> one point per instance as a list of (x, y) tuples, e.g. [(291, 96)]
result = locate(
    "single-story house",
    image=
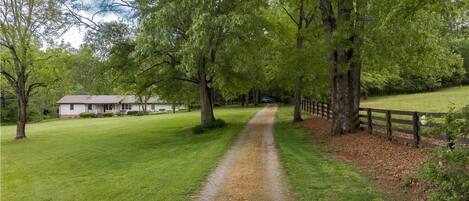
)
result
[(73, 105)]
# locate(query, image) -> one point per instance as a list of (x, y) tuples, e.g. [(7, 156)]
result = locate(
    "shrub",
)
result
[(108, 114), (87, 115), (132, 112), (217, 123), (446, 175), (136, 113)]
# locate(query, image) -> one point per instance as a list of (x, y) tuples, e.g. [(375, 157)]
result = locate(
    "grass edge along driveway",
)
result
[(312, 175), (152, 157)]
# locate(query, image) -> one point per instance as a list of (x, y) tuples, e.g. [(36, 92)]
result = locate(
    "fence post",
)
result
[(322, 109), (328, 109), (416, 129), (388, 125), (314, 107), (370, 120)]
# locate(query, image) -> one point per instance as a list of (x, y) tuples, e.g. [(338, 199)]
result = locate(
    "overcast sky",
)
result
[(75, 35)]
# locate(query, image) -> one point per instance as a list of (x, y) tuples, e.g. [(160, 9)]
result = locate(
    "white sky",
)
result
[(75, 35)]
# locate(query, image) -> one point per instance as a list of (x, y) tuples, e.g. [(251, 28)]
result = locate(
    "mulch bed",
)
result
[(388, 164)]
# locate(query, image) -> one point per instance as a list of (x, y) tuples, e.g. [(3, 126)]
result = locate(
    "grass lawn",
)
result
[(152, 157), (438, 101), (313, 175)]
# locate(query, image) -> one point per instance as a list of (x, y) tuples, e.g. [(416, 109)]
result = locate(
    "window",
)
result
[(108, 107), (71, 106), (90, 107), (152, 106), (126, 107)]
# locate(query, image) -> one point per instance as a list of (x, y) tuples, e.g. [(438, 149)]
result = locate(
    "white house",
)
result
[(73, 105)]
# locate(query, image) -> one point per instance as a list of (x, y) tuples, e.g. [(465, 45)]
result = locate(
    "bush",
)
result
[(136, 113), (217, 123), (132, 112), (87, 115), (446, 175), (108, 114)]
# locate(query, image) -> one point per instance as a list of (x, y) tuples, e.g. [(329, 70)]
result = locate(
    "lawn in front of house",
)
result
[(437, 101), (313, 175), (153, 157)]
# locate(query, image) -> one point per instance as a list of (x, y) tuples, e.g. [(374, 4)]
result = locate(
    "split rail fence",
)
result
[(409, 126)]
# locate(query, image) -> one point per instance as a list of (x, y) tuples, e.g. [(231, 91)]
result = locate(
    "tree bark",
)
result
[(206, 109), (299, 78), (297, 100), (345, 84), (246, 99), (22, 109), (256, 97)]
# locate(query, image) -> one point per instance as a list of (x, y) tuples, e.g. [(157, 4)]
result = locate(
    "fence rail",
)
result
[(407, 125)]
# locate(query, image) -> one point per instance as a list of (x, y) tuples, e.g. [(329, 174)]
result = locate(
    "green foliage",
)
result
[(87, 115), (217, 123), (108, 114), (408, 46), (288, 59), (176, 36), (446, 175), (455, 125)]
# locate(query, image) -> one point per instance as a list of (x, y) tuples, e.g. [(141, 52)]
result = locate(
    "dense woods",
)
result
[(207, 53)]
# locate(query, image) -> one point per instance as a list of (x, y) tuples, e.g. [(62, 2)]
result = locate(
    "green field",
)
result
[(152, 157), (313, 175), (438, 101)]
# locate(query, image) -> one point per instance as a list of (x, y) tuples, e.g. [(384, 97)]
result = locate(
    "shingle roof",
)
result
[(134, 99), (102, 99)]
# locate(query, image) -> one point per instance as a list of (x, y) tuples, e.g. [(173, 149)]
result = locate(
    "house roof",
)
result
[(134, 99), (102, 99)]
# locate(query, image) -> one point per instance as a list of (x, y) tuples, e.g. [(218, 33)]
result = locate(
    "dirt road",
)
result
[(250, 170)]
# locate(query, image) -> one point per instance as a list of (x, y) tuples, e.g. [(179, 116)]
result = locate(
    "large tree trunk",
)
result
[(206, 109), (297, 100), (22, 111), (345, 84), (299, 78)]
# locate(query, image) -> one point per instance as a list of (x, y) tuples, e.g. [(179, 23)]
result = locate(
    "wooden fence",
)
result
[(409, 126)]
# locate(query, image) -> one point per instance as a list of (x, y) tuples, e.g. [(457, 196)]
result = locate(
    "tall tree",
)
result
[(302, 16), (191, 40), (23, 24), (416, 34)]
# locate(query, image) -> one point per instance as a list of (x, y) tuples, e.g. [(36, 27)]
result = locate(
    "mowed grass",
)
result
[(438, 101), (121, 158), (312, 175)]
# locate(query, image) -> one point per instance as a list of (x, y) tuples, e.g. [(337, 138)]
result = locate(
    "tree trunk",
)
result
[(297, 100), (174, 107), (22, 111), (256, 97), (345, 84), (299, 78), (246, 99), (206, 109)]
